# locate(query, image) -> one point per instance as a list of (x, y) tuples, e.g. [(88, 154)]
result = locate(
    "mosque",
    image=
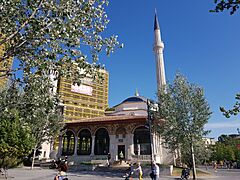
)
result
[(122, 130)]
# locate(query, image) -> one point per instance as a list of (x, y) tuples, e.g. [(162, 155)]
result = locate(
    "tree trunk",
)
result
[(34, 155), (193, 162)]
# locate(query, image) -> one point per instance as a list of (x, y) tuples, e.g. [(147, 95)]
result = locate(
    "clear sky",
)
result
[(201, 45)]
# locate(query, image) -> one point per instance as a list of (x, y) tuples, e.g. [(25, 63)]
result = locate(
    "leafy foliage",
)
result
[(185, 110), (231, 5), (55, 34), (40, 108), (201, 151), (234, 111), (28, 116), (16, 139), (226, 149)]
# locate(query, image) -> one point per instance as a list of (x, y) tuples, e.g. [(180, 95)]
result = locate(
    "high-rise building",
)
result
[(87, 100)]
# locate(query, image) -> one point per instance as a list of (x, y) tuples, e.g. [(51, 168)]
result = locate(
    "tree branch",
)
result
[(8, 71), (23, 25)]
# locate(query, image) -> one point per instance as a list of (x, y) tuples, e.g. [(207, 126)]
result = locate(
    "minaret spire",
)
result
[(158, 51), (156, 24)]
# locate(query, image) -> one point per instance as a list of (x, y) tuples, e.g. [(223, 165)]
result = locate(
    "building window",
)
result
[(68, 143), (121, 132), (101, 142), (142, 141), (84, 142), (44, 154)]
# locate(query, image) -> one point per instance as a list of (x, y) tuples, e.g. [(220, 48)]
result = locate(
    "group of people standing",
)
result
[(154, 172)]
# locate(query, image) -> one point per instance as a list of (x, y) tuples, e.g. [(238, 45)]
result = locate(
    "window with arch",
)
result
[(101, 142), (121, 132), (141, 141), (84, 142), (68, 143)]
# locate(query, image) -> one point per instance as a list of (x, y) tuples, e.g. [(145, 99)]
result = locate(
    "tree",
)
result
[(40, 109), (234, 111), (16, 139), (201, 151), (231, 5), (28, 117), (54, 34), (186, 111), (226, 149)]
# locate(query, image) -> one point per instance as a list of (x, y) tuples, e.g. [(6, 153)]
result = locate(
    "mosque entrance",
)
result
[(121, 152)]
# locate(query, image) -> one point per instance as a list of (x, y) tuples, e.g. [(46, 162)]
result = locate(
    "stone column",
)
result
[(75, 146), (130, 146), (112, 147), (59, 146), (93, 143), (160, 149)]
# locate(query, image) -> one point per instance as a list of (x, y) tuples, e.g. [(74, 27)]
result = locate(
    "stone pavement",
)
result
[(48, 174)]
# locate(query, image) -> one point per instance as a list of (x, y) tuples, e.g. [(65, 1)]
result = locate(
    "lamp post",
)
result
[(150, 130)]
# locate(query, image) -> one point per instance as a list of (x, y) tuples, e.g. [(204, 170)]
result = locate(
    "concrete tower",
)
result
[(158, 51)]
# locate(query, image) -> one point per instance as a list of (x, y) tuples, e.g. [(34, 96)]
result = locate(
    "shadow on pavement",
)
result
[(96, 173)]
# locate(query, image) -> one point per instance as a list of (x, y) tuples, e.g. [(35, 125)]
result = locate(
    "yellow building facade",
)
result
[(87, 100), (4, 65)]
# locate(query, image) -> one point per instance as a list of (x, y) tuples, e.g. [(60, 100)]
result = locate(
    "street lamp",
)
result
[(150, 121)]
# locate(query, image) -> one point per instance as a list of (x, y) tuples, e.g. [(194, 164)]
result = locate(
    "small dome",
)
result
[(135, 99)]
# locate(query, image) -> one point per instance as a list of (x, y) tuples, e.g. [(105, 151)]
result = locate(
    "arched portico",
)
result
[(84, 142), (68, 143), (141, 139), (101, 146)]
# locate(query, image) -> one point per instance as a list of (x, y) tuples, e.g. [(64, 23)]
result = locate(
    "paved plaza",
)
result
[(48, 174)]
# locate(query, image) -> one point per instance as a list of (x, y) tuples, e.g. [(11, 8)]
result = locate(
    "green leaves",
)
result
[(234, 111), (226, 149), (231, 5), (185, 110), (43, 35), (40, 108), (16, 139), (28, 116)]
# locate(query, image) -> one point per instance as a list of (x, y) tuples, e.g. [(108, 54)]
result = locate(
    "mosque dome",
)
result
[(135, 99)]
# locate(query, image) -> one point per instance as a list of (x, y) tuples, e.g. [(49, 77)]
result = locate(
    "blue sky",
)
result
[(202, 46)]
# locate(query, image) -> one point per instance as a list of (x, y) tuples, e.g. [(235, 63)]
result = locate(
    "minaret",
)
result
[(158, 51)]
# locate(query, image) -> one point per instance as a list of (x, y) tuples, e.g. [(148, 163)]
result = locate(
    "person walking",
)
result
[(215, 166), (155, 171), (121, 157), (139, 170), (129, 173), (62, 170), (108, 159)]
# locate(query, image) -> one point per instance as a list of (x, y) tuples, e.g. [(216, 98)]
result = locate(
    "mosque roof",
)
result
[(111, 119), (135, 99), (108, 119)]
